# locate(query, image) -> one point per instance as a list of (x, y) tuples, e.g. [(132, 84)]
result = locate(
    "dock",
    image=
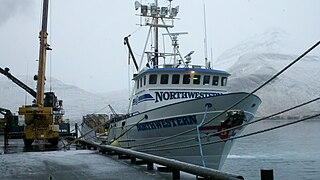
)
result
[(46, 162)]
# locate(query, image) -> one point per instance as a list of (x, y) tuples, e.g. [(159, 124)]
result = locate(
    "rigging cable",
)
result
[(267, 82), (237, 137), (198, 131), (236, 127), (261, 86), (50, 37), (145, 117)]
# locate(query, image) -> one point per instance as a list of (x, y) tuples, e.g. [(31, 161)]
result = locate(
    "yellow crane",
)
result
[(39, 119)]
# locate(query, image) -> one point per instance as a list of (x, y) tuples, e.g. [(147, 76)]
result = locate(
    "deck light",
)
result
[(137, 5), (153, 10), (144, 10), (164, 11)]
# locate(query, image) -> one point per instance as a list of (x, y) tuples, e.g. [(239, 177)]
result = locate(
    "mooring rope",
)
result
[(145, 117), (232, 138), (267, 82), (198, 132), (261, 86), (236, 127)]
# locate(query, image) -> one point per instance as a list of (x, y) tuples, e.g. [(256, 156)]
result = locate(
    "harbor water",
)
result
[(293, 152)]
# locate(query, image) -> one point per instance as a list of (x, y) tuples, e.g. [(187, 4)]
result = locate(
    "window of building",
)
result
[(186, 79), (175, 78), (164, 79), (206, 80), (215, 80), (196, 79), (223, 81), (153, 79)]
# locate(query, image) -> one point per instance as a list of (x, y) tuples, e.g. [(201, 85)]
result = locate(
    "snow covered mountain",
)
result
[(254, 61), (273, 40), (77, 102), (298, 84), (250, 63)]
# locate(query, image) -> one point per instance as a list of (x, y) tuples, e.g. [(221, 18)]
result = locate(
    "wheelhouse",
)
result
[(181, 78)]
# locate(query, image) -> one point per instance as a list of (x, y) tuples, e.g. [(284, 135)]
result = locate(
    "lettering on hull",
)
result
[(160, 96), (169, 95), (167, 123)]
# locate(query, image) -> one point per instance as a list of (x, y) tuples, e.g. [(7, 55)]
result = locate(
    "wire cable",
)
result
[(236, 127), (241, 100), (237, 137)]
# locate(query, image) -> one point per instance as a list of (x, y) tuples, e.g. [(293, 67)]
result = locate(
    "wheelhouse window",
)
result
[(215, 80), (175, 78), (137, 82), (141, 82), (223, 81), (153, 79), (164, 79), (144, 80), (186, 79), (206, 80), (196, 79)]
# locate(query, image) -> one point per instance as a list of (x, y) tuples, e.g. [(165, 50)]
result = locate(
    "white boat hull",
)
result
[(147, 134)]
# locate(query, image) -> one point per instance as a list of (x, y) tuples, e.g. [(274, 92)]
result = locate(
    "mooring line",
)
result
[(232, 138), (145, 117), (236, 127), (261, 86), (265, 130), (267, 82)]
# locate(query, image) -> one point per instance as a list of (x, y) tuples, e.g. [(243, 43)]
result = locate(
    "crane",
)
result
[(39, 118)]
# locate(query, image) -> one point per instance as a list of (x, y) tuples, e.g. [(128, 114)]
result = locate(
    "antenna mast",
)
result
[(205, 36), (156, 39)]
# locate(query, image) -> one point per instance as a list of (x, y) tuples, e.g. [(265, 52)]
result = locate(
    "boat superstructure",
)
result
[(177, 109)]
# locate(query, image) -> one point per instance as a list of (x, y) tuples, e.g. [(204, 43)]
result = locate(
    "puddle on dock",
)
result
[(17, 146)]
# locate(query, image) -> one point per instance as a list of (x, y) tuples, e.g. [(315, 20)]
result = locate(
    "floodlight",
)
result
[(144, 10), (164, 11), (174, 11), (137, 5), (153, 10)]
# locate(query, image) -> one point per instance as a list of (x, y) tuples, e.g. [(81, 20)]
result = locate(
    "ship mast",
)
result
[(156, 39), (42, 55), (158, 16)]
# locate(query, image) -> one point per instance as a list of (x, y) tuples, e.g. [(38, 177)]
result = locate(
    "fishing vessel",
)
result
[(179, 110)]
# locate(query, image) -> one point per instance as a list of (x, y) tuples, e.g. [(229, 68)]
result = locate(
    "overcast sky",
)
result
[(87, 36)]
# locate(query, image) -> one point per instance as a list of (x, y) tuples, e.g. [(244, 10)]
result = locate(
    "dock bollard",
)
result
[(266, 174)]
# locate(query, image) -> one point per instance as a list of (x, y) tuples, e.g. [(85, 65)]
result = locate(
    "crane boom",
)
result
[(18, 82), (42, 55), (126, 42)]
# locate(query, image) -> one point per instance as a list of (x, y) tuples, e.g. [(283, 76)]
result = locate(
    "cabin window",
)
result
[(137, 84), (153, 79), (186, 79), (196, 79), (215, 80), (141, 82), (175, 78), (164, 79), (223, 81), (206, 80), (144, 80)]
